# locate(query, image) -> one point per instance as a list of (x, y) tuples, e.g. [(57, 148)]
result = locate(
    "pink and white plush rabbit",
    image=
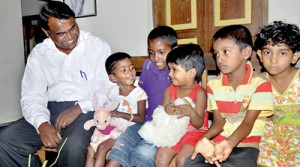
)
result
[(106, 127)]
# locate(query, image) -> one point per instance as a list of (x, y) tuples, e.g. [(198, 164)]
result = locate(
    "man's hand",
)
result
[(49, 135), (67, 117)]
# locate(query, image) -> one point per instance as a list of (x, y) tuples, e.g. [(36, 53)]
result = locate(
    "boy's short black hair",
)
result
[(165, 33), (278, 32), (55, 9), (188, 56), (113, 59), (238, 33)]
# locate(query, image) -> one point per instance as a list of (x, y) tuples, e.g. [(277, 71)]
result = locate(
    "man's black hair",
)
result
[(55, 9)]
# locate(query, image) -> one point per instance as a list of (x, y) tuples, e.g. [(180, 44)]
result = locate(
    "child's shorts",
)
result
[(191, 138)]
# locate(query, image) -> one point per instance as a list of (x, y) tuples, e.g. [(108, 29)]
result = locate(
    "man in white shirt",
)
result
[(61, 76)]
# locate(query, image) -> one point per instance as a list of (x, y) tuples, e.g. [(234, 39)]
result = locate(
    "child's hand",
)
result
[(206, 148), (185, 110), (223, 150), (170, 109), (114, 114)]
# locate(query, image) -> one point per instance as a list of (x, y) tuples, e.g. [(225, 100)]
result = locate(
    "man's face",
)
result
[(64, 33)]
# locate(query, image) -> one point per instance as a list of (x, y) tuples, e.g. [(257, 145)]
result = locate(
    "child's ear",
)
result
[(112, 78), (296, 57), (258, 52), (192, 72), (247, 52)]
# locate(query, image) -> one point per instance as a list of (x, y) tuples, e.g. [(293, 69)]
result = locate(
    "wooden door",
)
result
[(197, 20)]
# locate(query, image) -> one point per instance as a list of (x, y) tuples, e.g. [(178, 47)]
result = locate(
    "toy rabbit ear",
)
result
[(96, 103), (112, 105), (88, 124)]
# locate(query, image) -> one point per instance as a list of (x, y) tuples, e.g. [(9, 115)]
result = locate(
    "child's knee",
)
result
[(161, 159), (103, 148), (180, 160), (90, 151)]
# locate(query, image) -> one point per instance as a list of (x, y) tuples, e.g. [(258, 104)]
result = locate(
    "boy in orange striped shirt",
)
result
[(240, 100)]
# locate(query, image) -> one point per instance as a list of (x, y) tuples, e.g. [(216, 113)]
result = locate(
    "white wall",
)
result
[(11, 60), (31, 7), (284, 10), (123, 24)]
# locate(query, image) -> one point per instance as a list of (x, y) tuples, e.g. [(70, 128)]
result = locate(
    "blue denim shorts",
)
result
[(131, 150), (143, 155)]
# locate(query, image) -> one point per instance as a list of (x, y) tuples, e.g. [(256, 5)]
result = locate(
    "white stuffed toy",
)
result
[(166, 130)]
